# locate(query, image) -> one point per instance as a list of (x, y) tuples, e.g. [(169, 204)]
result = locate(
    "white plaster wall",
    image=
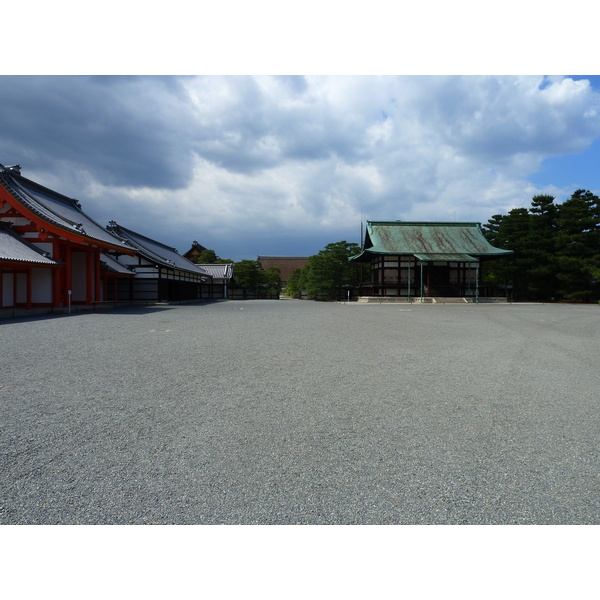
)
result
[(7, 289), (21, 288), (41, 285)]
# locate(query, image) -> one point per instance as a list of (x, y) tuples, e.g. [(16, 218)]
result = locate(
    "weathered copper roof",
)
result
[(430, 240), (447, 257)]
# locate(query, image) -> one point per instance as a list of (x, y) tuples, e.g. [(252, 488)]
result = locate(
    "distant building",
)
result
[(286, 264), (411, 260), (221, 276), (161, 273), (194, 252)]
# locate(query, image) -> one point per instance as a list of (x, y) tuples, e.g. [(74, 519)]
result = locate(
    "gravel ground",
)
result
[(290, 412)]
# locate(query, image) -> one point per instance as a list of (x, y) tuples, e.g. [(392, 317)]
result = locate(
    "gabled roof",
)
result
[(108, 263), (218, 270), (55, 210), (14, 248), (195, 248), (154, 251), (428, 241)]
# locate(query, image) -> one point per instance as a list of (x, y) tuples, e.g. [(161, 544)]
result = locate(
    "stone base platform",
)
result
[(419, 300)]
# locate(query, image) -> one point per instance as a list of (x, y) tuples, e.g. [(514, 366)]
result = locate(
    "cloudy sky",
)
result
[(282, 165)]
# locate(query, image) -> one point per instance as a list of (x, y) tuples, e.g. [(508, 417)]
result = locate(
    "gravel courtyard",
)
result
[(292, 412)]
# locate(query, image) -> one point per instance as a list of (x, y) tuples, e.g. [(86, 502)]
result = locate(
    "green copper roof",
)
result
[(448, 257), (428, 241)]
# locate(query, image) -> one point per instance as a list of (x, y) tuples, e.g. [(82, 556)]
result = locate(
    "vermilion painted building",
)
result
[(59, 260), (26, 273)]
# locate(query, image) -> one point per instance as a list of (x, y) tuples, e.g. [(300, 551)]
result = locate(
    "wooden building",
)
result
[(194, 252), (59, 259), (161, 273), (421, 260), (26, 273)]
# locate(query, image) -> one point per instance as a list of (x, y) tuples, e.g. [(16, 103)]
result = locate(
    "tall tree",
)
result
[(578, 247), (497, 274), (541, 247), (510, 232), (556, 248), (329, 274), (249, 276), (295, 284), (272, 280), (207, 257)]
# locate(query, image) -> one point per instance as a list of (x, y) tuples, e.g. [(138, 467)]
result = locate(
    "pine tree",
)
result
[(578, 247), (541, 246), (329, 274)]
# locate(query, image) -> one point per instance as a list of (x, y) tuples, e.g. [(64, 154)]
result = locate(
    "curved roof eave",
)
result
[(369, 252), (149, 249), (63, 225)]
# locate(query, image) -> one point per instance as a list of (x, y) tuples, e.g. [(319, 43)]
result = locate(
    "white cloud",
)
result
[(240, 160)]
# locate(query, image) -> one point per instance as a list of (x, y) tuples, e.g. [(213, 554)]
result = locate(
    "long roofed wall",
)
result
[(162, 274)]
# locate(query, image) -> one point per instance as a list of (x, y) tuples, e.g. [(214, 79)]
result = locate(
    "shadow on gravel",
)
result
[(134, 310)]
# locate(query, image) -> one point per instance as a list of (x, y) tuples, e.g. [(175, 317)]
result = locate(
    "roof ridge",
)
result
[(145, 237), (42, 188), (436, 223)]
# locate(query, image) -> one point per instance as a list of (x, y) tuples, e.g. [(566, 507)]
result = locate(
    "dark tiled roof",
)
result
[(55, 208), (152, 250), (110, 264), (217, 271), (17, 249)]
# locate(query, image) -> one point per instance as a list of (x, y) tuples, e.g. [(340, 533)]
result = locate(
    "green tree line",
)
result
[(248, 275), (209, 257), (556, 249), (328, 275)]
